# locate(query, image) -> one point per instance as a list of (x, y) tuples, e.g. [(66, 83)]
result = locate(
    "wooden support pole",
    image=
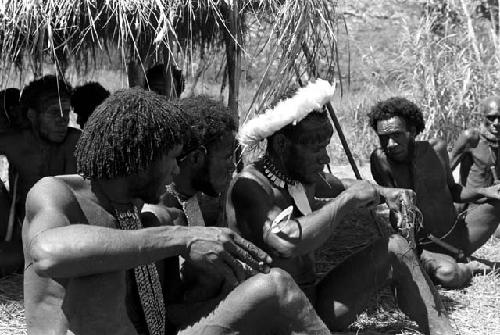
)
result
[(336, 123)]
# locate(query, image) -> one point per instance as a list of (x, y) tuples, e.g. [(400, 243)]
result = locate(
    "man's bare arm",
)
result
[(255, 208), (461, 194), (466, 140), (59, 249), (380, 169)]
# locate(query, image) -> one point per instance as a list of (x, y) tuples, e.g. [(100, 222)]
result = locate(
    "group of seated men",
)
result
[(126, 245), (37, 141)]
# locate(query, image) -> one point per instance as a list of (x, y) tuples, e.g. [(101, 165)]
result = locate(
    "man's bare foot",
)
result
[(477, 267)]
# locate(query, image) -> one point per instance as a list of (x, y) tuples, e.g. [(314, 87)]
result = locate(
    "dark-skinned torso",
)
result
[(483, 159), (253, 226), (426, 174), (33, 158), (92, 304)]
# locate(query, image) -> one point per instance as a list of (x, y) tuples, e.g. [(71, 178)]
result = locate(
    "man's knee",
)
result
[(399, 247), (450, 275), (277, 286)]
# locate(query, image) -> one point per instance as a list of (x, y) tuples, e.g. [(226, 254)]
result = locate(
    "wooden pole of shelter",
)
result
[(234, 40), (336, 123)]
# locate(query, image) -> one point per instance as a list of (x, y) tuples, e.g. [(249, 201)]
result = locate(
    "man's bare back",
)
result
[(91, 302)]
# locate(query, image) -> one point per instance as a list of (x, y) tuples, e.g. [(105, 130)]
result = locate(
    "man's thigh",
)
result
[(481, 221)]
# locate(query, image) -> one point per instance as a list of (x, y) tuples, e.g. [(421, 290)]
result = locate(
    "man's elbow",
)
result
[(45, 261)]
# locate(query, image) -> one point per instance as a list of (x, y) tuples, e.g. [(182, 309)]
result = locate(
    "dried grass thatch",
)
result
[(64, 31)]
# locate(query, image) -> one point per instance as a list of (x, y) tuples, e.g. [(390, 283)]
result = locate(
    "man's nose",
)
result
[(496, 122), (391, 143)]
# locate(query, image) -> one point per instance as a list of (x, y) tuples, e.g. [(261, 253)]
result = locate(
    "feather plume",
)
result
[(289, 111)]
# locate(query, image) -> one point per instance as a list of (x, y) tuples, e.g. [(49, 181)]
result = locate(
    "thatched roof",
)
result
[(74, 31)]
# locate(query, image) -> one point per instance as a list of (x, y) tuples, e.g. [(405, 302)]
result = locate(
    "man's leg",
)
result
[(345, 291), (264, 304), (481, 222), (444, 270)]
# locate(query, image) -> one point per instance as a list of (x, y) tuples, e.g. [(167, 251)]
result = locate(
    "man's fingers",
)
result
[(245, 257), (259, 254), (235, 265)]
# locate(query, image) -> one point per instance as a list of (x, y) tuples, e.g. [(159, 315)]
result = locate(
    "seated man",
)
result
[(85, 99), (476, 150), (206, 166), (44, 149), (272, 203), (89, 263), (448, 236)]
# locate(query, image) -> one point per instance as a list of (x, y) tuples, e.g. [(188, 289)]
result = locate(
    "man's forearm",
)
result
[(312, 230), (463, 194), (79, 250)]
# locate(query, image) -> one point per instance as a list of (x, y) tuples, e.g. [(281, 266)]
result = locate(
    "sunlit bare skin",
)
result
[(476, 150), (424, 167)]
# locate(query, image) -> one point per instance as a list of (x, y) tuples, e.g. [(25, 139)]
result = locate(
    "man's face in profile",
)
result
[(308, 154), (395, 138), (219, 166)]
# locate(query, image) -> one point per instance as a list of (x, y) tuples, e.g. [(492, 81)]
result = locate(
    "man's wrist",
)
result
[(177, 239)]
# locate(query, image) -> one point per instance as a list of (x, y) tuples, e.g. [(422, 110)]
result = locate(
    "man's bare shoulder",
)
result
[(10, 141), (54, 191), (439, 145), (468, 138), (251, 182)]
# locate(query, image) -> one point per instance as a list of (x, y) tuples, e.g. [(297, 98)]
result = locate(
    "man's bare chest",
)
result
[(38, 161)]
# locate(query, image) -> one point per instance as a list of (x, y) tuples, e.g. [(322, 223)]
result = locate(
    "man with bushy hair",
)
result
[(90, 262), (45, 148), (448, 236)]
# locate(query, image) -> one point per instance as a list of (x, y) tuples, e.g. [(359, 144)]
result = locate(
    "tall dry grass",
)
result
[(448, 64)]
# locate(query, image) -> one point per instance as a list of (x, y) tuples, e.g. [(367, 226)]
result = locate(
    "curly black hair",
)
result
[(397, 106), (40, 90), (86, 98), (209, 121), (127, 133)]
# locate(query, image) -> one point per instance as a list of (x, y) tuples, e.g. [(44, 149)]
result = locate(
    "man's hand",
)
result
[(394, 196), (492, 192), (364, 194), (222, 252)]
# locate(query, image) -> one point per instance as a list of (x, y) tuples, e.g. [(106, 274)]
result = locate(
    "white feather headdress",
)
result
[(289, 111)]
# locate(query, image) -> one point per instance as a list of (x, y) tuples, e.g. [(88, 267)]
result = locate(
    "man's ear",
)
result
[(280, 144), (32, 115), (197, 157), (413, 131)]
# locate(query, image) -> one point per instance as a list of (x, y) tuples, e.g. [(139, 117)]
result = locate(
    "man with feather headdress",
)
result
[(273, 203)]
